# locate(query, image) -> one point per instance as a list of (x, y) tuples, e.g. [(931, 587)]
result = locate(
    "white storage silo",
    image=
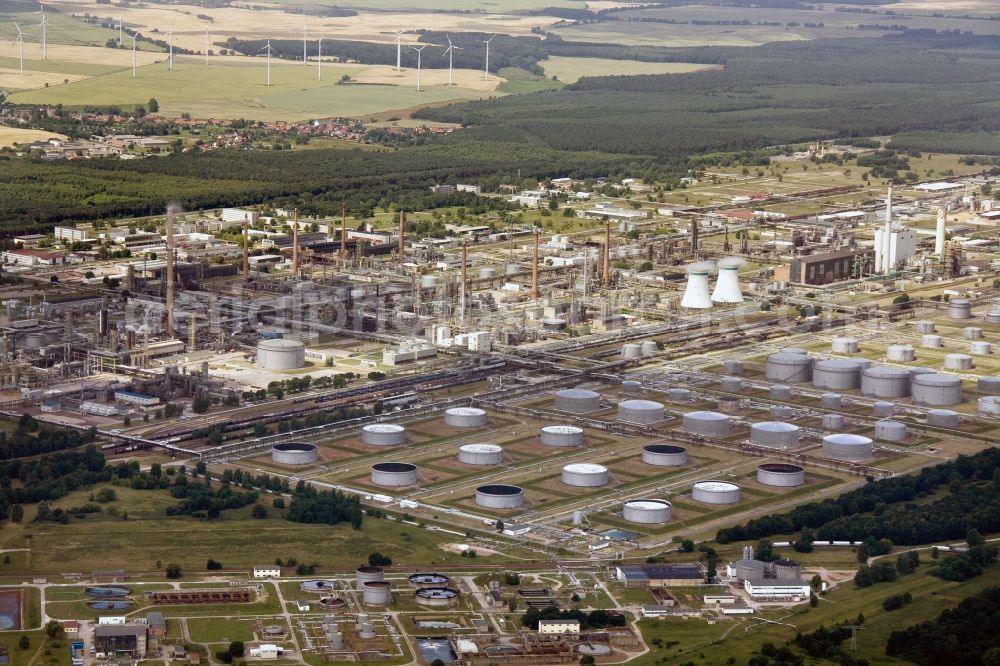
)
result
[(561, 435), (480, 454), (640, 411), (585, 475), (577, 401), (774, 434), (959, 308), (847, 447), (706, 423), (788, 367), (937, 389), (281, 354), (715, 492)]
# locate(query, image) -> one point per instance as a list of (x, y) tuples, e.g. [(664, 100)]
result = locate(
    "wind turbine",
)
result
[(305, 34), (319, 59), (486, 72), (42, 25), (206, 43), (450, 51), (267, 49), (399, 51), (170, 48), (20, 42), (418, 49), (135, 38)]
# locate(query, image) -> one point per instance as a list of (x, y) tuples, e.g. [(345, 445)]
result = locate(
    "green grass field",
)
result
[(475, 6), (62, 29), (235, 89), (569, 70), (521, 81)]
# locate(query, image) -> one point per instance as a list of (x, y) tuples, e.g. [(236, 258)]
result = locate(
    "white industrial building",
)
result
[(71, 234), (266, 571), (559, 626), (774, 588), (894, 244)]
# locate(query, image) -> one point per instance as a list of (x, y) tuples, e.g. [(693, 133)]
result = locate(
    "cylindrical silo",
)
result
[(646, 511), (957, 362), (577, 401), (787, 570), (993, 316), (937, 389), (715, 492), (480, 454), (959, 308), (847, 447), (931, 341), (831, 401), (794, 350), (774, 434), (988, 385), (465, 417), (499, 496), (377, 593), (925, 326), (295, 453), (706, 423), (394, 474), (833, 422), (585, 475), (732, 367), (883, 409), (841, 345), (631, 350), (981, 348), (837, 374), (890, 431), (990, 405), (731, 384), (972, 333), (281, 354), (561, 435), (749, 569), (664, 455), (943, 418), (631, 387), (367, 575), (900, 353), (780, 412), (679, 395), (782, 475), (383, 434), (648, 347), (780, 392), (788, 367), (640, 411), (885, 382)]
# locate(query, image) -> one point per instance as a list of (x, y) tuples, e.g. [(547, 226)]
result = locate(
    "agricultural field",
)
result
[(10, 136), (569, 70)]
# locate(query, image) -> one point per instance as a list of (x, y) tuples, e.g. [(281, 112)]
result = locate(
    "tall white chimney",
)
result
[(939, 236), (727, 287), (886, 266), (696, 295)]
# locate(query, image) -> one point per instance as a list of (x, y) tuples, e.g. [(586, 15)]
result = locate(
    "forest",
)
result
[(962, 635)]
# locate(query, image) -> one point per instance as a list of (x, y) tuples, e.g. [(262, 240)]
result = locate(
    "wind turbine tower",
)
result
[(134, 39), (486, 70), (42, 25), (399, 52), (20, 44), (450, 52), (170, 48), (418, 49), (305, 36), (267, 49), (319, 60), (206, 43)]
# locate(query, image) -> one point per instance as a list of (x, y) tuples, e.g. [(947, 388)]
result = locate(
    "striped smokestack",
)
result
[(295, 242), (170, 273), (606, 275), (534, 270)]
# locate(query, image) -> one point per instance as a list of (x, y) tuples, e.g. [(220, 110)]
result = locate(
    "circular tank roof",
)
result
[(664, 448), (480, 448), (562, 430), (647, 504), (578, 393), (716, 486), (781, 468), (849, 440), (788, 357), (585, 468), (466, 411), (280, 344), (887, 372), (835, 364), (499, 489), (707, 416), (776, 426), (294, 446), (383, 427), (937, 379), (369, 569), (429, 578), (650, 405), (437, 593), (394, 467)]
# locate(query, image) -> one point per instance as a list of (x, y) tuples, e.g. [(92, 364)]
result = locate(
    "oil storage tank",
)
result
[(480, 454), (715, 492), (925, 326), (972, 333), (882, 409), (788, 367), (640, 411), (885, 382), (932, 341), (647, 511), (943, 418), (585, 475), (844, 446), (383, 434), (706, 423), (732, 367), (890, 431), (679, 395), (988, 385), (957, 362), (843, 345), (561, 435), (377, 593), (900, 353), (577, 401), (780, 392), (981, 348), (364, 575), (394, 474), (989, 405), (959, 308), (833, 422), (631, 387), (831, 401), (664, 455), (281, 354), (937, 389), (465, 417), (836, 374), (731, 384), (774, 434), (437, 597), (428, 579), (631, 350), (295, 453), (783, 475), (499, 496)]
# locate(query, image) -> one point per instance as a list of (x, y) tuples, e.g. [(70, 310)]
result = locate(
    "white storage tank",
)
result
[(561, 435), (833, 422), (988, 385), (383, 434), (943, 418), (782, 475), (732, 367), (959, 308), (847, 447), (480, 454), (931, 341), (885, 382), (631, 350), (664, 455), (925, 326), (499, 496), (981, 348), (937, 389), (640, 411), (774, 435), (585, 475), (990, 405), (679, 395), (706, 423), (780, 412), (731, 384), (294, 453), (890, 431), (377, 593), (883, 409), (780, 392), (487, 273), (394, 474), (900, 353), (957, 362), (831, 401), (281, 354), (842, 345), (837, 374), (788, 367), (715, 492), (577, 401), (631, 387), (367, 575), (646, 511), (993, 316), (465, 417), (972, 333), (648, 347)]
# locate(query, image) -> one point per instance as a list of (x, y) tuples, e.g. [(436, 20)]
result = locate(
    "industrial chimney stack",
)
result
[(246, 248), (295, 242), (343, 231), (402, 237), (534, 271), (170, 273), (606, 274), (939, 237), (464, 285)]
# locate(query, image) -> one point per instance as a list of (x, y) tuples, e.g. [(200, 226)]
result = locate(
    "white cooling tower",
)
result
[(696, 295), (939, 236), (727, 287)]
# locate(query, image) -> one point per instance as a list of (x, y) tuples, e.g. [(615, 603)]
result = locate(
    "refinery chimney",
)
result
[(727, 287), (534, 271), (246, 249), (939, 236), (606, 274), (343, 231), (463, 287), (170, 273), (696, 295), (402, 238), (694, 235), (883, 239), (295, 242)]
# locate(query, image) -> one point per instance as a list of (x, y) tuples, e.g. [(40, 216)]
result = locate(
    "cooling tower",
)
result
[(696, 296), (727, 287)]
